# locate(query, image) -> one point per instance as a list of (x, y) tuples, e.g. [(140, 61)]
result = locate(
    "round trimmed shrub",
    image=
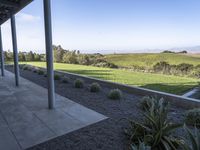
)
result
[(192, 117), (21, 66), (25, 68), (56, 77), (78, 83), (95, 87), (29, 69), (65, 80), (40, 72), (115, 94)]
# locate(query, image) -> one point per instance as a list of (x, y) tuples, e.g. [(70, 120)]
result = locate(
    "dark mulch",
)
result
[(105, 135)]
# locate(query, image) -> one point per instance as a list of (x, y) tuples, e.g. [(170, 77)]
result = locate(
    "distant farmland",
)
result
[(148, 60)]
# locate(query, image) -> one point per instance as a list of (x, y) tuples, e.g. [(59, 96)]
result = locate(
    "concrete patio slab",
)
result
[(25, 119), (58, 121), (2, 122), (84, 114), (7, 140)]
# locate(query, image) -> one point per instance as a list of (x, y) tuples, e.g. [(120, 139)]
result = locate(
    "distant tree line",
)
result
[(75, 57), (25, 56), (64, 56)]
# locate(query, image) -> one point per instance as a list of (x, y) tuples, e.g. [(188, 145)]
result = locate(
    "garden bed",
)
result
[(108, 134)]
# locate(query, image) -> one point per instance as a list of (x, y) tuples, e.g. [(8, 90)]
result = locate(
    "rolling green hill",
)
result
[(148, 60)]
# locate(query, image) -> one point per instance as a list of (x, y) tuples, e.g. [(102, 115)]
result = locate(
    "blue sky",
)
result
[(108, 26)]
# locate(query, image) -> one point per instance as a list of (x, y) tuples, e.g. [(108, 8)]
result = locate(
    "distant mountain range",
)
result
[(194, 49)]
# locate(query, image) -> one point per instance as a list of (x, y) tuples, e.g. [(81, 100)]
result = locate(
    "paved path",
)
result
[(26, 121)]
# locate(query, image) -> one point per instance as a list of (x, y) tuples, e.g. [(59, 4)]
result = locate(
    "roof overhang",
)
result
[(11, 7)]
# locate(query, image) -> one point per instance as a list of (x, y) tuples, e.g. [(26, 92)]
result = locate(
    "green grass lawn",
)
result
[(165, 83), (148, 60), (196, 95)]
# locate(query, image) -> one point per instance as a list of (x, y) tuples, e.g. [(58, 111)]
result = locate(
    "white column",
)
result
[(49, 53), (1, 55), (15, 50)]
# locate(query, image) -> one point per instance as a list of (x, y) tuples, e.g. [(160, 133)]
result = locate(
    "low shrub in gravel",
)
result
[(45, 75), (192, 117), (21, 66), (35, 71), (65, 80), (40, 72), (95, 87), (56, 77), (25, 68), (115, 94), (78, 83)]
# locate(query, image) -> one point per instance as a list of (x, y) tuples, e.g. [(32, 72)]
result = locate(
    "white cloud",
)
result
[(30, 33), (27, 17)]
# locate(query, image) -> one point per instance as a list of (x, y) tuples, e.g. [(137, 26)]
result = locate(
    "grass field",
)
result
[(165, 83), (148, 60)]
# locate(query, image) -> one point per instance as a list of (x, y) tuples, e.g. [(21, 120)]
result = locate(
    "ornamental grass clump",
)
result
[(115, 94), (78, 83), (140, 146), (95, 87), (148, 101), (192, 139), (192, 117), (155, 129)]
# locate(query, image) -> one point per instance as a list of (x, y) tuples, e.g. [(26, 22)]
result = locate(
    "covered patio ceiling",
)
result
[(11, 7)]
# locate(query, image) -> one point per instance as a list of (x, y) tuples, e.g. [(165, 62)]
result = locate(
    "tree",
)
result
[(37, 57), (21, 56), (183, 52), (70, 57), (84, 60), (167, 51), (8, 55), (30, 56), (58, 53)]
